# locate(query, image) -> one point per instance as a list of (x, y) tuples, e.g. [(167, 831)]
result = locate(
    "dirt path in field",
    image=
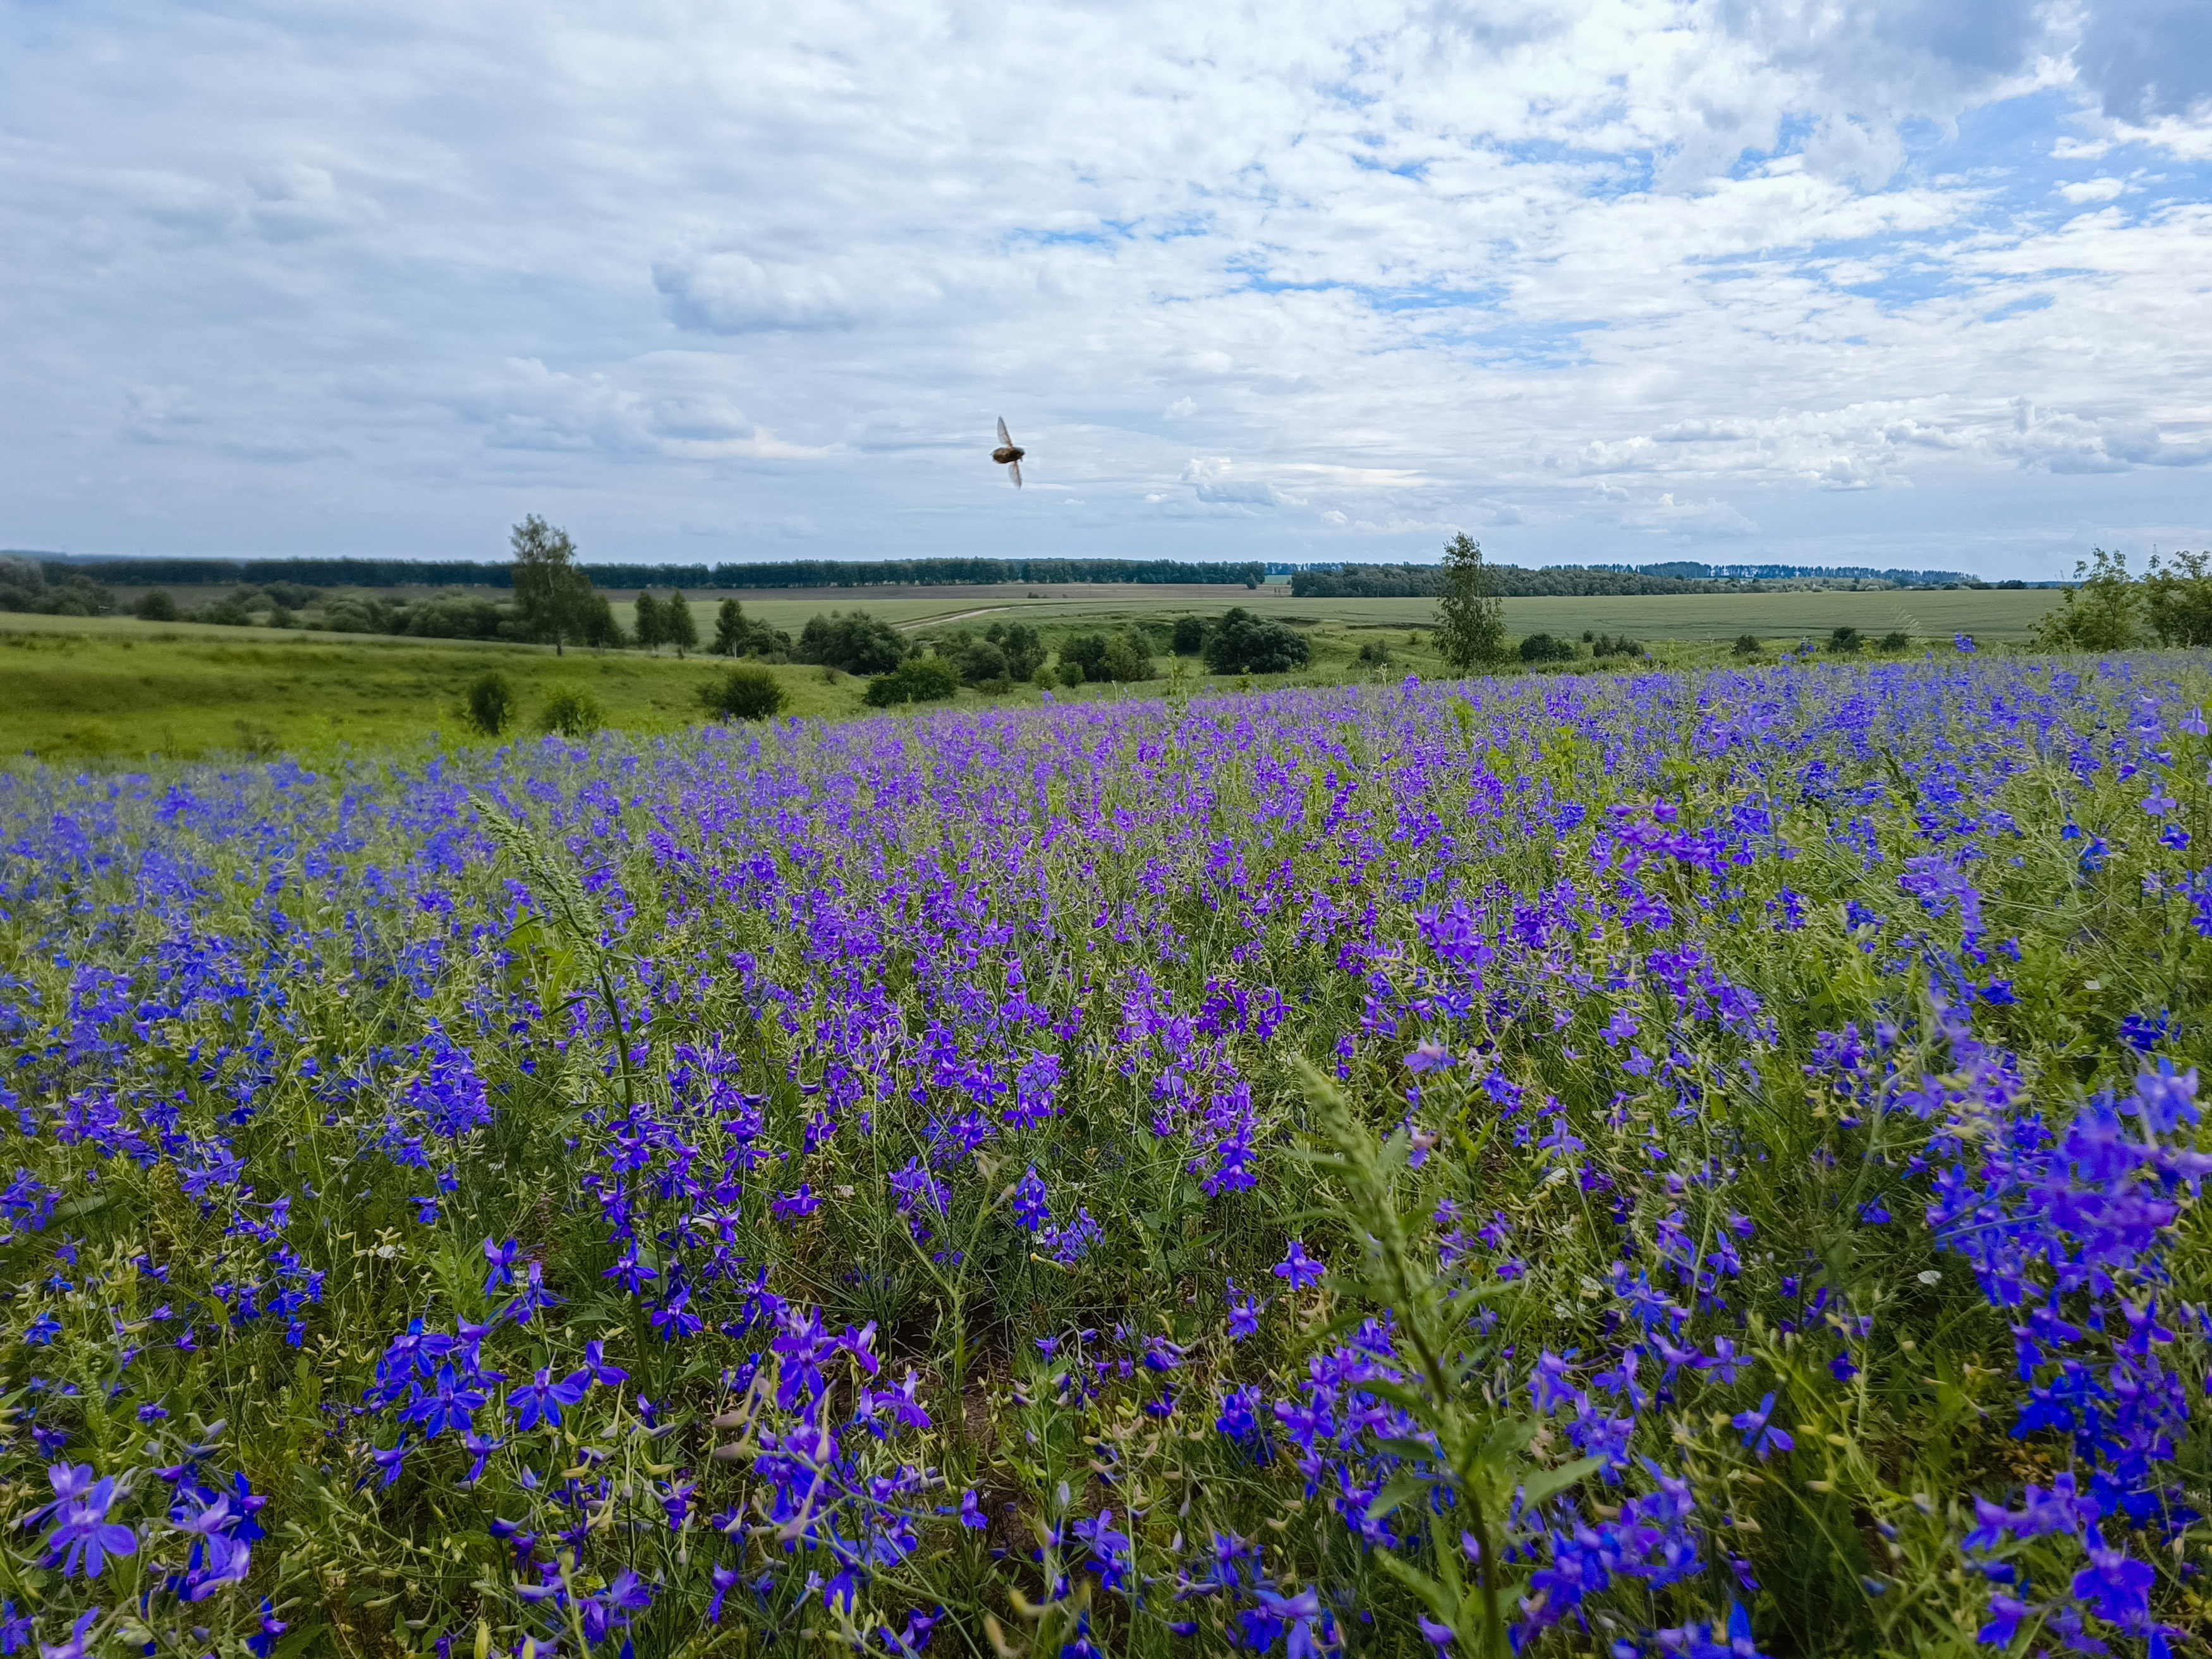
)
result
[(957, 615)]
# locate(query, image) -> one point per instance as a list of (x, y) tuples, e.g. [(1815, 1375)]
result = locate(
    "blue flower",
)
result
[(1300, 1269), (1761, 1436), (2115, 1584), (542, 1399)]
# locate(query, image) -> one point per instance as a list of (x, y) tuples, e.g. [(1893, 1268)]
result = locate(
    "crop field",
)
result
[(1700, 1164)]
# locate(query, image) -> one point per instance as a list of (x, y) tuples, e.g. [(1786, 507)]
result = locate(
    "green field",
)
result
[(1988, 614), (118, 689), (181, 691)]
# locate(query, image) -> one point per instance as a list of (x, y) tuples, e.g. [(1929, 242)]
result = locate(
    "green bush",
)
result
[(1844, 642), (1004, 652), (156, 606), (572, 712), (23, 586), (348, 615), (1083, 658), (981, 663), (1895, 640), (1021, 646), (2178, 599), (854, 641), (1189, 638), (1120, 656), (1543, 648), (229, 612), (743, 693), (453, 617), (736, 635), (2098, 614), (1616, 645), (1127, 660), (1242, 643), (918, 679), (488, 704), (1746, 645)]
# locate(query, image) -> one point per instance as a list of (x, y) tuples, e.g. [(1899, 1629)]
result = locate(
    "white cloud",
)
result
[(1545, 266), (1218, 482), (730, 292), (1689, 518), (2094, 190)]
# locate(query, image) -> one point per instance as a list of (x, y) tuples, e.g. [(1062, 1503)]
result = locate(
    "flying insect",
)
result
[(1009, 454)]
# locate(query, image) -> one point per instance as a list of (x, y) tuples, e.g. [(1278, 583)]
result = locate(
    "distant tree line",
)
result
[(1690, 569), (25, 585), (793, 573), (1428, 581)]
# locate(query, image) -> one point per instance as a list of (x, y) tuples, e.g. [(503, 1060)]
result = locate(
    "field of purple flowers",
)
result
[(1699, 1166)]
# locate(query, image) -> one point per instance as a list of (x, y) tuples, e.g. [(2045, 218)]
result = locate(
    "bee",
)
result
[(1009, 454)]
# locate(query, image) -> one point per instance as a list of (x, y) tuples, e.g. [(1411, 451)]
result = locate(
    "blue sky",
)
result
[(1879, 283)]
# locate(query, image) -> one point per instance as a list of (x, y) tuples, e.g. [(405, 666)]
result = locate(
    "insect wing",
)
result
[(1015, 467), (1003, 437)]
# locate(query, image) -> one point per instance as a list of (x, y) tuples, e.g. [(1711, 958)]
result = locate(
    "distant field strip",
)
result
[(1989, 614)]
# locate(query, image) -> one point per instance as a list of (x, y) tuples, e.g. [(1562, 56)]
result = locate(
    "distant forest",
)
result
[(1400, 581), (793, 573), (1357, 581)]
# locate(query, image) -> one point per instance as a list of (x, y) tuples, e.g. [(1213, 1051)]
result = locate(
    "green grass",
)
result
[(117, 689), (181, 693), (1989, 614)]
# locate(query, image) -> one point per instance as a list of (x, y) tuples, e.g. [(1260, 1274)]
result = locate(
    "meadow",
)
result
[(1693, 1163), (1992, 614), (114, 689)]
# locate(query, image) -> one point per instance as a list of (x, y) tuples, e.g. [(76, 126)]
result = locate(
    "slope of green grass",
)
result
[(100, 693)]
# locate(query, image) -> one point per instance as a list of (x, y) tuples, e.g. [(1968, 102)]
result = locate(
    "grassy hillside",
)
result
[(179, 692)]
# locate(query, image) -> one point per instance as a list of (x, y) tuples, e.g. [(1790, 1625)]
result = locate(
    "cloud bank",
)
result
[(1884, 283)]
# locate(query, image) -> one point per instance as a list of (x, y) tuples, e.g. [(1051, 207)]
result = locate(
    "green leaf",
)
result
[(1398, 1394), (1351, 1319), (1399, 1491), (1507, 1438), (1543, 1483), (1441, 1601), (1403, 1448)]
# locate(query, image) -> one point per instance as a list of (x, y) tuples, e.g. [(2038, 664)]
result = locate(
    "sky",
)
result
[(1888, 283)]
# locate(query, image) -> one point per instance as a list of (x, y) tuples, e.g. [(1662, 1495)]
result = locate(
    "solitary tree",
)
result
[(553, 596), (649, 622), (1470, 617), (676, 624), (2178, 599), (731, 632), (2100, 612)]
